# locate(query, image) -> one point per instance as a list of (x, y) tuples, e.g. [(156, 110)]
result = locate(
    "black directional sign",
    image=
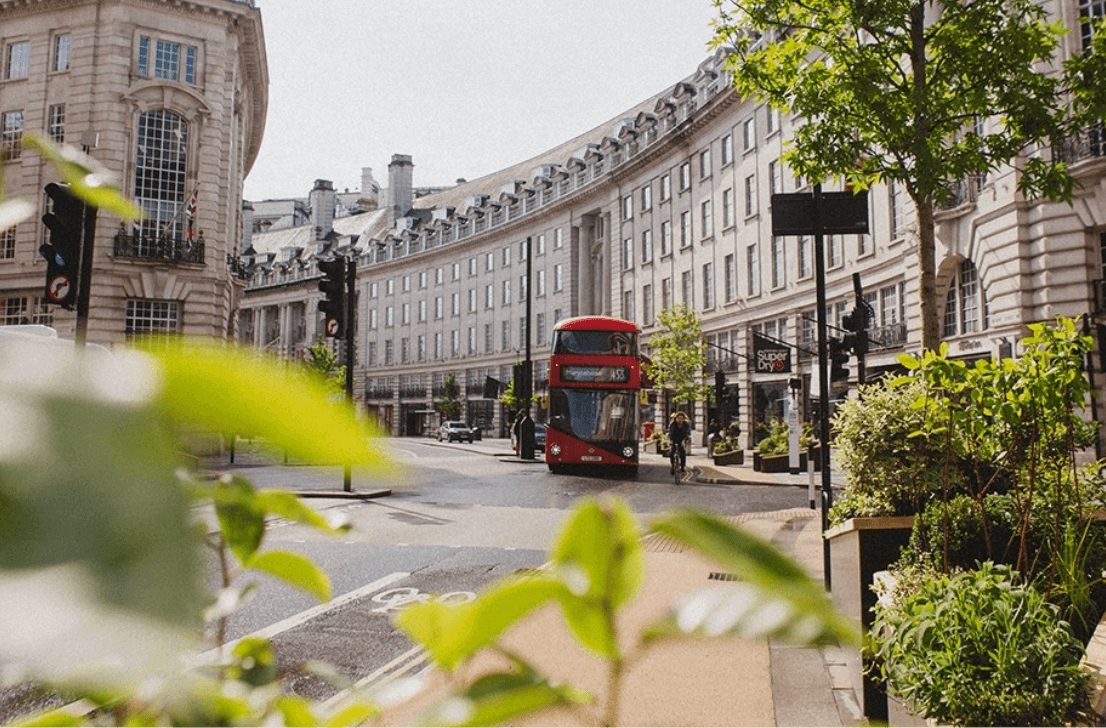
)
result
[(843, 213)]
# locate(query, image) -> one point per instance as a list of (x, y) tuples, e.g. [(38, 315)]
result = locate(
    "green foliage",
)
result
[(510, 398), (322, 362), (777, 438), (892, 463), (596, 568), (976, 649), (449, 406), (678, 354)]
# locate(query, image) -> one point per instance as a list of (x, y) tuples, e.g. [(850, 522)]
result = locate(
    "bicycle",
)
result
[(674, 461)]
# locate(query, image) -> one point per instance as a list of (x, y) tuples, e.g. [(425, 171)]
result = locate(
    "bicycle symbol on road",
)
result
[(394, 599)]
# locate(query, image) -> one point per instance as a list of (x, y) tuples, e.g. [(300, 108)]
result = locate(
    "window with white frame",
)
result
[(706, 218), (687, 289), (11, 134), (455, 308), (506, 297), (708, 285), (627, 253), (628, 207), (774, 177), (748, 134), (666, 187), (421, 344), (152, 318), (539, 244), (646, 198), (834, 255), (472, 300), (666, 293), (862, 245), (455, 343), (666, 237), (17, 59), (422, 279), (489, 296), (704, 164), (539, 329), (750, 195), (771, 120), (372, 319), (389, 317), (727, 149), (456, 272), (730, 277), (405, 314), (523, 287), (805, 260), (896, 202), (505, 336), (489, 339), (646, 246), (628, 304), (438, 346), (16, 310), (752, 270), (489, 262), (59, 58), (558, 277), (522, 332), (779, 262), (539, 283), (55, 122), (406, 284), (422, 311), (522, 250), (404, 350), (472, 340), (558, 239), (439, 309), (685, 176), (727, 208), (506, 255), (685, 228), (965, 302), (370, 354), (390, 287), (7, 243), (160, 169), (472, 267), (647, 304), (171, 60)]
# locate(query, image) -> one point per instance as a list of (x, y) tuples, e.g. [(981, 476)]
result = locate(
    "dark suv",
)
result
[(459, 431)]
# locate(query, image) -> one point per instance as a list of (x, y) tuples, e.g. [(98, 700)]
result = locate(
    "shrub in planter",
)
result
[(974, 648)]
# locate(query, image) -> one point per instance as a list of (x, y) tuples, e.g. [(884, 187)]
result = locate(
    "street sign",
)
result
[(842, 213)]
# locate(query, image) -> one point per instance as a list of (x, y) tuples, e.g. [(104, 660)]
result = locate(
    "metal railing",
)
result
[(159, 249), (1088, 145)]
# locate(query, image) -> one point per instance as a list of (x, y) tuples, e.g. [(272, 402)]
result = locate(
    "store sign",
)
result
[(770, 357)]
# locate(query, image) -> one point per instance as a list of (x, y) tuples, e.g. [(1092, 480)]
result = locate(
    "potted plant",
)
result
[(772, 454), (727, 448)]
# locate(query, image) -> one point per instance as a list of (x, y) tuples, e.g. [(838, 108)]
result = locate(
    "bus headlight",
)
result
[(554, 450), (628, 451)]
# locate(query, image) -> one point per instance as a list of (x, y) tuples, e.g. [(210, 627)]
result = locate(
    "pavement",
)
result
[(676, 683)]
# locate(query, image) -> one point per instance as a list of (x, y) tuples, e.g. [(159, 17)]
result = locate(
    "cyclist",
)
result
[(679, 432)]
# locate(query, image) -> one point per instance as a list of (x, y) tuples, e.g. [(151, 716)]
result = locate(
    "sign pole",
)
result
[(823, 375), (351, 311)]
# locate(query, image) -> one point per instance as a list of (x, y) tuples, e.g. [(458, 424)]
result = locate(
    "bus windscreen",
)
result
[(617, 343), (594, 415)]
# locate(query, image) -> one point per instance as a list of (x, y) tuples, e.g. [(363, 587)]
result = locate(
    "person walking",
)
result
[(679, 432)]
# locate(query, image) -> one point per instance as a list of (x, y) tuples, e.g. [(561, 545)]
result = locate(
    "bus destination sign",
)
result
[(595, 374)]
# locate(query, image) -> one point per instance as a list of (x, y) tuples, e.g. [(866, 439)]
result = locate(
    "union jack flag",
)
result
[(190, 208)]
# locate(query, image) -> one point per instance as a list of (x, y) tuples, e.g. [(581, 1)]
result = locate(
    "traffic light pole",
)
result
[(84, 278), (350, 312), (823, 375)]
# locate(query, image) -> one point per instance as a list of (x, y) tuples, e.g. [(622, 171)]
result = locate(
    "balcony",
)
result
[(158, 250), (1088, 145), (886, 337)]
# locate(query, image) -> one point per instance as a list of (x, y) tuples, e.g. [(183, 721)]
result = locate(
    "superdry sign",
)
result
[(770, 357)]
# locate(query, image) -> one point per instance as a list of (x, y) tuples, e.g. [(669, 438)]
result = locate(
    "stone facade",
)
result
[(170, 96), (670, 203)]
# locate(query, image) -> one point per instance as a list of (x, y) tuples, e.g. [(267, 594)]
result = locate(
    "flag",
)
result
[(190, 213)]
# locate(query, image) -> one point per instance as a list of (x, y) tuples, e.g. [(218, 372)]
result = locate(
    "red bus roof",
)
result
[(595, 323)]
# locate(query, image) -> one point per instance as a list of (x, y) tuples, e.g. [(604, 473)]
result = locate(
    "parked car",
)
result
[(539, 436), (455, 430)]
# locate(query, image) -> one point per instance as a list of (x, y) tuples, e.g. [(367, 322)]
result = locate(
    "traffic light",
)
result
[(857, 322), (839, 357), (63, 252), (333, 305)]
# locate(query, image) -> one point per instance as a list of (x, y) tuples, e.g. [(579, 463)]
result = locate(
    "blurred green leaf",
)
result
[(241, 519), (88, 178), (288, 505), (296, 711), (775, 597), (501, 698), (293, 569), (230, 391), (453, 633), (599, 556)]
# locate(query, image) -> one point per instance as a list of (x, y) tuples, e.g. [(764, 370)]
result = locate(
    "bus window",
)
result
[(594, 415), (618, 343)]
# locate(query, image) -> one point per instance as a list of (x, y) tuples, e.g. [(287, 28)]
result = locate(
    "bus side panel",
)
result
[(574, 451)]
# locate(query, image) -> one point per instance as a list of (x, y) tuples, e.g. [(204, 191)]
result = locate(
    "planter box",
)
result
[(734, 457), (858, 549), (782, 463)]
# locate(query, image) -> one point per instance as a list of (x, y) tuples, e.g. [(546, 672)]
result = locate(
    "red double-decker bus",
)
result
[(594, 383)]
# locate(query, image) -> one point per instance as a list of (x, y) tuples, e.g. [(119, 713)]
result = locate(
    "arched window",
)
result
[(965, 303), (160, 167)]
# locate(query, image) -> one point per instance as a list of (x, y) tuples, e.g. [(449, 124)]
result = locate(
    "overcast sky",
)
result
[(466, 87)]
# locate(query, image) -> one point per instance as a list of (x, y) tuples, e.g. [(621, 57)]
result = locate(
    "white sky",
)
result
[(466, 87)]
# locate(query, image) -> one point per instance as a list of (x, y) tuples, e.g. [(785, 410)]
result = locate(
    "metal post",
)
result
[(84, 277), (351, 311), (823, 375), (526, 426)]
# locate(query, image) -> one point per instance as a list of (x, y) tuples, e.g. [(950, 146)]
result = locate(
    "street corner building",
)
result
[(171, 97)]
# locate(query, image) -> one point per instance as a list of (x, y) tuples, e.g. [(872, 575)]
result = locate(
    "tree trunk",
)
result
[(927, 275)]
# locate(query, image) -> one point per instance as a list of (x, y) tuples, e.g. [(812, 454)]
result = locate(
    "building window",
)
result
[(389, 352), (749, 134), (539, 328), (454, 344), (404, 350), (390, 287), (731, 277), (895, 204), (472, 267), (153, 319), (558, 277), (647, 304), (965, 303), (540, 244), (489, 262), (7, 243), (687, 289), (627, 207), (11, 135), (708, 285), (505, 336), (834, 257), (506, 255), (422, 279), (666, 238), (472, 340), (804, 257), (666, 293), (685, 229), (750, 195), (422, 311), (771, 119), (60, 59), (779, 262), (774, 177), (506, 293), (704, 164), (389, 317), (455, 304), (558, 239), (727, 149), (489, 296), (540, 283), (523, 287), (161, 165), (406, 285), (489, 339), (17, 60), (421, 344), (752, 273), (438, 308), (405, 314), (439, 350), (646, 198), (628, 305), (15, 311), (372, 319), (862, 245), (706, 218), (522, 249), (685, 176), (167, 60), (646, 246), (666, 187), (523, 333), (456, 272), (371, 354), (439, 276), (727, 209), (55, 122), (627, 253), (472, 300)]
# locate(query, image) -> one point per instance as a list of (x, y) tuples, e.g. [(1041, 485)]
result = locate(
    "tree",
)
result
[(679, 354), (321, 360), (918, 94), (449, 406)]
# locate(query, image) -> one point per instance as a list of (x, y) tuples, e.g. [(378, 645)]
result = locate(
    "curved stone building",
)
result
[(669, 203), (170, 96)]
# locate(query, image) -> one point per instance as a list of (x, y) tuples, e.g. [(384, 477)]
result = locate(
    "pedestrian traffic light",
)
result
[(63, 252), (839, 357), (333, 305)]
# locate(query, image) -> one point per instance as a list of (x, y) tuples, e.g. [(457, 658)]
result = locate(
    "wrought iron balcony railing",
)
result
[(1088, 145), (161, 249)]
